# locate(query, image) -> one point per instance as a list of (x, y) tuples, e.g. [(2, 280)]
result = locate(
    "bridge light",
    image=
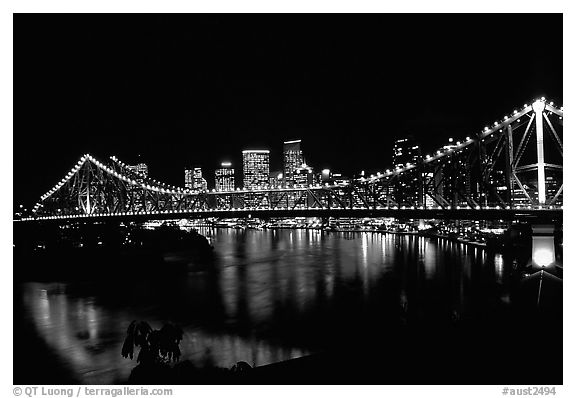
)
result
[(538, 106), (477, 207)]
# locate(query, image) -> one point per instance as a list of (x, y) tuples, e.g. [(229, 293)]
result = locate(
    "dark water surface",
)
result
[(272, 296)]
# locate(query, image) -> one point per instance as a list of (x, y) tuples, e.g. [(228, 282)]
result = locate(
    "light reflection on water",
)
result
[(266, 280)]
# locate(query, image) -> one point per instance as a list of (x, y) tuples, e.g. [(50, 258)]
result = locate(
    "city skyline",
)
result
[(170, 98)]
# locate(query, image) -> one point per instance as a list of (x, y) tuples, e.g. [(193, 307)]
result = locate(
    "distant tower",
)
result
[(256, 168), (189, 178), (193, 179), (406, 191), (224, 177), (141, 169), (199, 183), (293, 160), (405, 151)]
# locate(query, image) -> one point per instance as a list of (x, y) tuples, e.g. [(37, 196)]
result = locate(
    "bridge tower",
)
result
[(538, 108)]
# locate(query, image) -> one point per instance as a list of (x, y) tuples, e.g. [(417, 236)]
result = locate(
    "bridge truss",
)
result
[(516, 163)]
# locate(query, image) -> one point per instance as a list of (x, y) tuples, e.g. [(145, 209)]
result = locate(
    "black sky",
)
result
[(197, 89)]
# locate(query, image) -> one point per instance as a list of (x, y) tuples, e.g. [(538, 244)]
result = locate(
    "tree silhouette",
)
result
[(156, 346)]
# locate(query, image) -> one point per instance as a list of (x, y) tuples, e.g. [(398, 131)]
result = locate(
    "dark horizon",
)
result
[(195, 90)]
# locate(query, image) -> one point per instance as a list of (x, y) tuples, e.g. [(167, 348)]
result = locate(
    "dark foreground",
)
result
[(514, 351)]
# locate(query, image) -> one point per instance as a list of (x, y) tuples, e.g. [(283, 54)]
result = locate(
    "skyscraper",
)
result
[(405, 190), (405, 151), (193, 179), (256, 168), (189, 178), (224, 177), (199, 183), (293, 159)]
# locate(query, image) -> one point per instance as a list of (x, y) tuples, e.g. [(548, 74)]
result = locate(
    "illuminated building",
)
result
[(405, 151), (193, 179), (339, 179), (256, 168), (303, 176), (427, 178), (405, 190), (141, 169), (325, 176), (276, 179), (189, 178), (553, 184), (224, 177), (293, 159)]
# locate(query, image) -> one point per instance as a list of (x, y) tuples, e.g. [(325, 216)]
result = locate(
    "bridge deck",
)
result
[(530, 215)]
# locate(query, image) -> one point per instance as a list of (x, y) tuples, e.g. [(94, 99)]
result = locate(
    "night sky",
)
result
[(194, 90)]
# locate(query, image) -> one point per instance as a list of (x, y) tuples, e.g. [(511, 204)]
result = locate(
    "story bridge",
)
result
[(512, 169)]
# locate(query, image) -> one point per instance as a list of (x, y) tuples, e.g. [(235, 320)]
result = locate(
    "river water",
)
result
[(273, 295)]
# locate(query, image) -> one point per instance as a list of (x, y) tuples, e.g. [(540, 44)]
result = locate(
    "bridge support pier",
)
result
[(543, 253)]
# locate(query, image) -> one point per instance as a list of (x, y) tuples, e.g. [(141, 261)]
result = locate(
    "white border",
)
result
[(514, 6)]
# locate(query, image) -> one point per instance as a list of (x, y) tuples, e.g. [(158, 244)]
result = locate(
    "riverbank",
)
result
[(424, 233)]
